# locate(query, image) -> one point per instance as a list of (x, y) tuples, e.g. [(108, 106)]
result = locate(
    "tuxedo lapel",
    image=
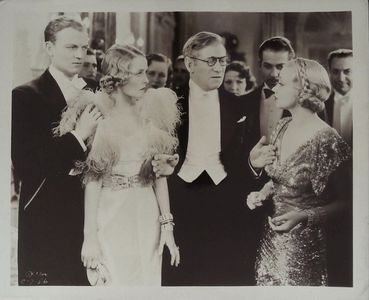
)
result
[(252, 101), (228, 118), (52, 93), (329, 108), (183, 128)]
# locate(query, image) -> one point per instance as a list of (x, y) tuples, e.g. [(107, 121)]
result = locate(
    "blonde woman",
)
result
[(311, 158), (127, 213)]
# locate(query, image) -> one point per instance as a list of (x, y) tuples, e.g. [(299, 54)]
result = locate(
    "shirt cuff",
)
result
[(81, 142), (256, 174)]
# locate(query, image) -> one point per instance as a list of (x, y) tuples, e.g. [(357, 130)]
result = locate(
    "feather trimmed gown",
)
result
[(120, 154), (128, 226)]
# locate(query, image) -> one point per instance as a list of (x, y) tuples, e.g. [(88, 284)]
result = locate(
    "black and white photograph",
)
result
[(184, 150)]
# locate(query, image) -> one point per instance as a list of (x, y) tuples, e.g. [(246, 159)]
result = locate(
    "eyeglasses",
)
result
[(211, 61)]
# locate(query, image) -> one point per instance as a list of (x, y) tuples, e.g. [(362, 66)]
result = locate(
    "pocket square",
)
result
[(242, 119)]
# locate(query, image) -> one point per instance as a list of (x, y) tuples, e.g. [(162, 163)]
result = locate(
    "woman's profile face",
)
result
[(288, 88), (157, 74), (137, 81), (234, 84)]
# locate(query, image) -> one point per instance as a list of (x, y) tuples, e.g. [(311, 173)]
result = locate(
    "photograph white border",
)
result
[(359, 9)]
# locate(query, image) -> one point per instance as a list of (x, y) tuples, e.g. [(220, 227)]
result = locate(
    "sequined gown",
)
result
[(298, 257)]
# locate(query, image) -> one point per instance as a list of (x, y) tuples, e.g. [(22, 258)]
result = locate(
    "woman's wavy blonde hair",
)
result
[(115, 66), (313, 79)]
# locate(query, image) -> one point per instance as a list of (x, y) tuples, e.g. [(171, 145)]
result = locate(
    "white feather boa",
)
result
[(158, 111)]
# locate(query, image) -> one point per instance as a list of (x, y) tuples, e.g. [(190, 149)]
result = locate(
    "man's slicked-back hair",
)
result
[(199, 41), (276, 43), (59, 24), (340, 53)]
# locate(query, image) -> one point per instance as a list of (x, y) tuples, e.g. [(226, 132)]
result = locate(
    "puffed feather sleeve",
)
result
[(160, 111), (98, 144)]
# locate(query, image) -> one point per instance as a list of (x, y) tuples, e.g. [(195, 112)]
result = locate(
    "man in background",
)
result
[(89, 69), (273, 54), (158, 70), (180, 76), (339, 104)]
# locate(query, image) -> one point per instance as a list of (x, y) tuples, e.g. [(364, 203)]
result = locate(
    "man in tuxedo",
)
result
[(339, 104), (51, 197), (214, 227), (273, 54)]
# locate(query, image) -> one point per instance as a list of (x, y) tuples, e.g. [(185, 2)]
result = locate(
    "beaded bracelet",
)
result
[(167, 226), (165, 218)]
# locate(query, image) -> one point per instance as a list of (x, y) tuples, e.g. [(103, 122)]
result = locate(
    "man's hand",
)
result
[(164, 164), (262, 154), (255, 199), (88, 121)]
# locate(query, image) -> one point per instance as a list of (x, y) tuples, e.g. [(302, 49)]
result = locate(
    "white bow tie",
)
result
[(78, 82), (343, 100)]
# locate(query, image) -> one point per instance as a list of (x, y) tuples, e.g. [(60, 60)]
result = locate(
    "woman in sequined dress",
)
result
[(311, 158), (127, 213)]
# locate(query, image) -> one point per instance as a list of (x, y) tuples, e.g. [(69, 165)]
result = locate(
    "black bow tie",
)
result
[(268, 93)]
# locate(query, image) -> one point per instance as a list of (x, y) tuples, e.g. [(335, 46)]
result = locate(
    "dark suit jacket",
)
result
[(253, 100), (92, 84), (51, 201), (327, 113), (253, 103)]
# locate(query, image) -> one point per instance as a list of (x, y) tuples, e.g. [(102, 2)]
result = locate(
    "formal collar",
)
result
[(338, 97), (267, 92), (64, 81), (265, 86), (197, 92), (70, 88)]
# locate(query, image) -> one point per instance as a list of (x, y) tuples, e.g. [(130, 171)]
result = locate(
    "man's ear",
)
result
[(49, 47), (188, 63)]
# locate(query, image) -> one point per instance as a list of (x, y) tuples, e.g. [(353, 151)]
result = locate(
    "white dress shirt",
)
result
[(342, 115), (270, 114), (203, 146), (70, 90)]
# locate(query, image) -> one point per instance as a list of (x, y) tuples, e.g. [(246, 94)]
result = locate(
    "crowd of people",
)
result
[(136, 171)]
